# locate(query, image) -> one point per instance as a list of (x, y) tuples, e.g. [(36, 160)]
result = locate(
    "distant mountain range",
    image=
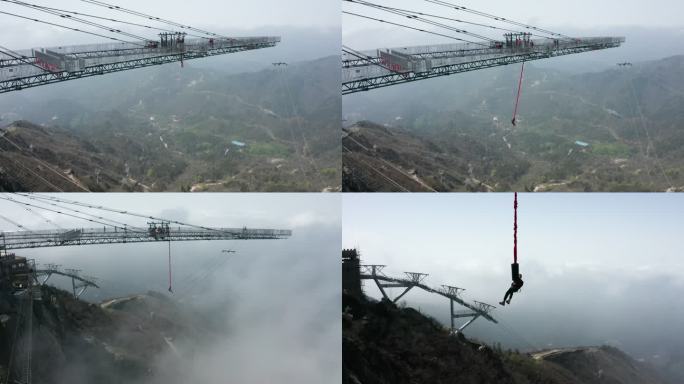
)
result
[(180, 129), (616, 130)]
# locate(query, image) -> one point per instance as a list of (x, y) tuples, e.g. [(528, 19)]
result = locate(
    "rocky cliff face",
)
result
[(35, 158), (133, 339)]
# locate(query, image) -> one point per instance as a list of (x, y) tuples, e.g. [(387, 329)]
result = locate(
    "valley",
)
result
[(616, 130), (183, 129)]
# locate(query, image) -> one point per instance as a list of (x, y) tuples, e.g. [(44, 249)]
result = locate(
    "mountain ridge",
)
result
[(383, 343), (176, 129), (629, 118)]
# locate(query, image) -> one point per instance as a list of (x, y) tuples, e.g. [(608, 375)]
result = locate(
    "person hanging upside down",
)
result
[(515, 287)]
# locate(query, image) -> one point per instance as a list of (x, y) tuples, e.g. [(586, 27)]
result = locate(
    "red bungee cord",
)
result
[(515, 228), (515, 270), (170, 288), (517, 99)]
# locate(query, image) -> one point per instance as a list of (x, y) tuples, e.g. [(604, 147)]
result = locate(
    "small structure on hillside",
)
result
[(16, 272), (351, 272)]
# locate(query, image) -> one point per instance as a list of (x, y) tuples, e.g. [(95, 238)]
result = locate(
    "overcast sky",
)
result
[(263, 16), (558, 16), (596, 266), (216, 210), (279, 299), (302, 213)]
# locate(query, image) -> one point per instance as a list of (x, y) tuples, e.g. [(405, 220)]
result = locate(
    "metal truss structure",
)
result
[(61, 238), (363, 71), (46, 66), (474, 310), (79, 283)]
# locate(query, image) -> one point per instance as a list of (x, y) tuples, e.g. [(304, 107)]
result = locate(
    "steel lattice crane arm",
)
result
[(70, 237)]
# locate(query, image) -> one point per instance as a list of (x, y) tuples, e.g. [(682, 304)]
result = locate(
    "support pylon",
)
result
[(482, 308)]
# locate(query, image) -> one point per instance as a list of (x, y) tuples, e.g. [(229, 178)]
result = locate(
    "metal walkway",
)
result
[(363, 71), (43, 66)]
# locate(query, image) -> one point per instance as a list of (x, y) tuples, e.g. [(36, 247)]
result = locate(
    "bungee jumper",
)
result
[(515, 270), (515, 287)]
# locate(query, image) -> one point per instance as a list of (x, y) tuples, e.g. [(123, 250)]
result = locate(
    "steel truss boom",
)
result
[(91, 54), (11, 62), (354, 80), (154, 58), (62, 238), (439, 54)]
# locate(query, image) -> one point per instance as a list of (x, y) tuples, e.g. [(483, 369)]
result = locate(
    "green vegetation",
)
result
[(169, 130), (269, 149), (612, 149), (457, 130)]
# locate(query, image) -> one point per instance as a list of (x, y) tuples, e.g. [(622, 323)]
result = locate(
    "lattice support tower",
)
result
[(474, 310), (24, 359), (375, 270), (47, 272), (452, 292), (482, 309)]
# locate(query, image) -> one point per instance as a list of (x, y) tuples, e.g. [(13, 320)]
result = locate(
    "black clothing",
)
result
[(518, 283), (515, 287)]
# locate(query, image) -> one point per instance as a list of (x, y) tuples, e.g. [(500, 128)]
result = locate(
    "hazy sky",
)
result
[(264, 16), (596, 266), (313, 218), (279, 299), (558, 16), (215, 210)]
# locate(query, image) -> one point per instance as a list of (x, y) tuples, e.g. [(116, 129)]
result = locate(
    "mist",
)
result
[(598, 269), (272, 306), (234, 19)]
